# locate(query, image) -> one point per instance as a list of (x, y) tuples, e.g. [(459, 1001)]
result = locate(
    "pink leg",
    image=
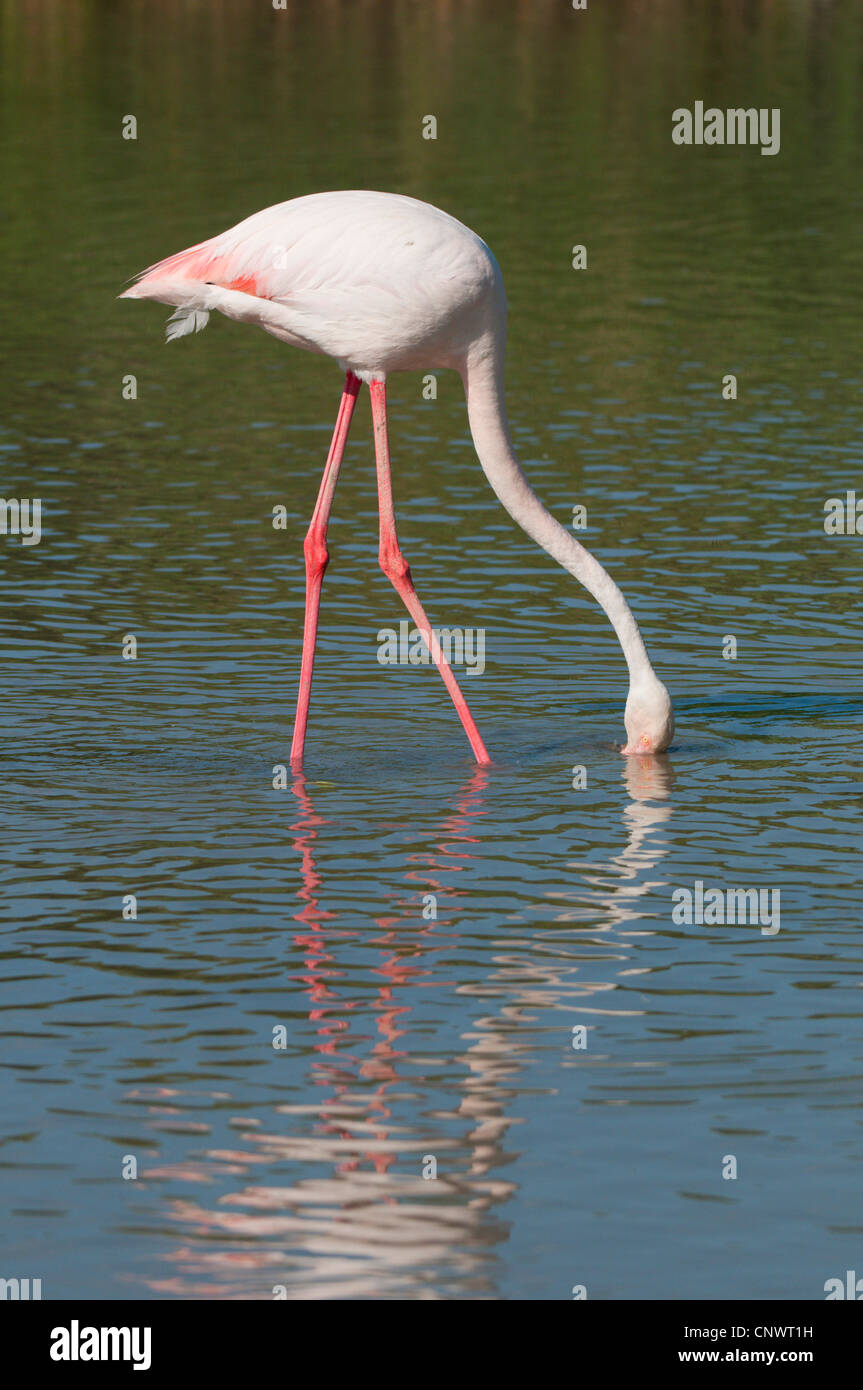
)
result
[(317, 558), (397, 569)]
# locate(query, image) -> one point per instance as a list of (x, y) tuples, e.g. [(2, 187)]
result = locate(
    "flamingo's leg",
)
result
[(397, 569), (317, 558)]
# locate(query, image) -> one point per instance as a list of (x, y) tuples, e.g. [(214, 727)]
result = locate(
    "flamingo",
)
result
[(385, 283)]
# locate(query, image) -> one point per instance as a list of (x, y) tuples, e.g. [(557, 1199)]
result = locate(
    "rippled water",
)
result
[(409, 1037)]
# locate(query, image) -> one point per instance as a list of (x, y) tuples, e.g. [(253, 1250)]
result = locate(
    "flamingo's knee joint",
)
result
[(394, 565), (317, 555)]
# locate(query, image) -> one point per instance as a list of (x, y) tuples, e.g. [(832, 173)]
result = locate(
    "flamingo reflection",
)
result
[(370, 1225)]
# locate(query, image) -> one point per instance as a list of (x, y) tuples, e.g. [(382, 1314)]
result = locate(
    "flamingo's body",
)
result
[(385, 283)]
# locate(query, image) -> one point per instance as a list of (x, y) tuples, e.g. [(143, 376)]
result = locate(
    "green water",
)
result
[(408, 1036)]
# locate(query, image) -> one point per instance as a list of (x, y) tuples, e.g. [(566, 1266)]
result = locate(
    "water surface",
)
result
[(409, 1036)]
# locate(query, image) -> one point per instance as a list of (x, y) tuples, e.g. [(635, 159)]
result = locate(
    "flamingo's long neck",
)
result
[(484, 389)]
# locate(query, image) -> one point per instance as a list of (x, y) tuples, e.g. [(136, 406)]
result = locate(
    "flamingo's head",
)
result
[(649, 718)]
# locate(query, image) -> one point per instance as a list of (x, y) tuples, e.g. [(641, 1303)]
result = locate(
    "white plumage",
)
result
[(378, 281), (184, 321)]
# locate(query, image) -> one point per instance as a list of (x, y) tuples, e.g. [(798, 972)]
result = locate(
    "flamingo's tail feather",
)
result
[(184, 321), (185, 265)]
